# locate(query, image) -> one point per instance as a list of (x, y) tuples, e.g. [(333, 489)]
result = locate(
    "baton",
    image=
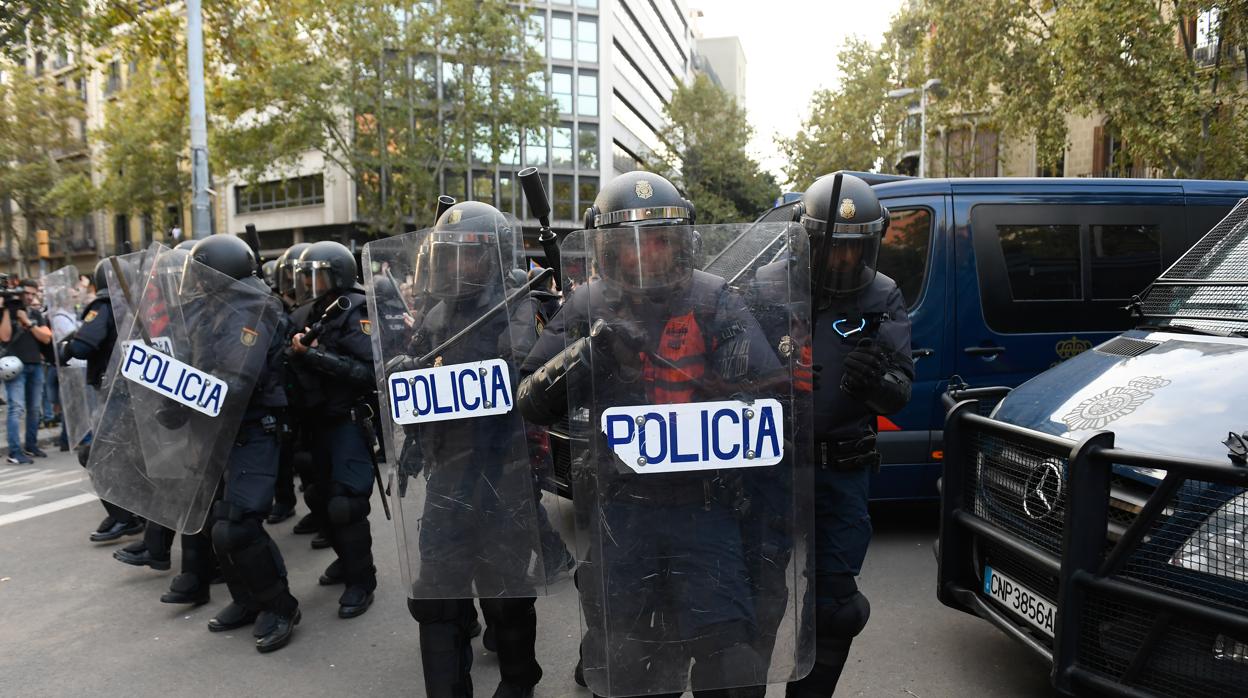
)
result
[(539, 206), (489, 314), (125, 291), (364, 423)]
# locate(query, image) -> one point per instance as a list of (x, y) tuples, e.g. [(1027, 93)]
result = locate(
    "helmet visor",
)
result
[(313, 279), (461, 265), (851, 262), (647, 259)]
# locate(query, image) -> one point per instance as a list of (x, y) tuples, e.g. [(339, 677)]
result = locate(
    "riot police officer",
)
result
[(863, 367), (93, 342), (670, 582), (335, 378), (251, 562)]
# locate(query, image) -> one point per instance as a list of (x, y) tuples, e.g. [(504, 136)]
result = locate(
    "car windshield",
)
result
[(1206, 290)]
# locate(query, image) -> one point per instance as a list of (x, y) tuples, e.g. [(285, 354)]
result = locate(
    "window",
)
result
[(455, 185), (563, 204), (481, 150), (561, 146), (623, 159), (288, 193), (587, 147), (39, 61), (591, 4), (903, 254), (1207, 28), (535, 32), (588, 190), (450, 81), (510, 156), (483, 186), (1125, 259), (535, 148), (587, 39), (561, 89), (1042, 261), (114, 78), (587, 93), (561, 37), (506, 192), (425, 74)]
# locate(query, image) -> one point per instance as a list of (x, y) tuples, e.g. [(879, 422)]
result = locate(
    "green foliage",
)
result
[(706, 136), (354, 80), (39, 150)]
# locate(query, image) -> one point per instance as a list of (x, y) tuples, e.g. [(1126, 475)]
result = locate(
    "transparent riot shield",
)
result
[(691, 480), (66, 301), (186, 367), (450, 326)]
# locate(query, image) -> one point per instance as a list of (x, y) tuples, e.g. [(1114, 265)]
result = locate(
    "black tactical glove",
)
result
[(864, 366), (62, 353)]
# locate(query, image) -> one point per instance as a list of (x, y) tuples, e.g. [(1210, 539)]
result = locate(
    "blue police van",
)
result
[(1099, 513), (1007, 277)]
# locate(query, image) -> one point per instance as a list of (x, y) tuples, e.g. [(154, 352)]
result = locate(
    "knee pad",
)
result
[(346, 509), (437, 610), (841, 624), (508, 611), (229, 536)]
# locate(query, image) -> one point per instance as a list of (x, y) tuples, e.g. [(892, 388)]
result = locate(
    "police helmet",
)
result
[(323, 267), (101, 276), (286, 268), (187, 245), (643, 248), (227, 254), (849, 252), (269, 269), (467, 251)]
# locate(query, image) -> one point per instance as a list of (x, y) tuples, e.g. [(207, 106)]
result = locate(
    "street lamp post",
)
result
[(902, 93)]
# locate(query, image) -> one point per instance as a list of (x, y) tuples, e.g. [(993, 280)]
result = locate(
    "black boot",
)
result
[(279, 632), (186, 589), (232, 616), (332, 575)]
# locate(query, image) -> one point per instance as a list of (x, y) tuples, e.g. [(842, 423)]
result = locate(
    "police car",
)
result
[(1099, 516)]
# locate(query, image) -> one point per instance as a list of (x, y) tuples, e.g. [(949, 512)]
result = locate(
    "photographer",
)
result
[(23, 330)]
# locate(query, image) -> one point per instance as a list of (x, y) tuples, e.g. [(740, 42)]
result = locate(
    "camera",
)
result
[(13, 298)]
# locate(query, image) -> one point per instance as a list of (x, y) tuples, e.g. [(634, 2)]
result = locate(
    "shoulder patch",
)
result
[(90, 316), (541, 324), (248, 336), (366, 326)]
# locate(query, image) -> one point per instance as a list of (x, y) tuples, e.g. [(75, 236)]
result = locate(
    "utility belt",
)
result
[(851, 455)]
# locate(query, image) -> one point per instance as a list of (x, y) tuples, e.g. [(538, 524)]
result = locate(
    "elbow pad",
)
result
[(543, 395), (75, 348), (356, 372)]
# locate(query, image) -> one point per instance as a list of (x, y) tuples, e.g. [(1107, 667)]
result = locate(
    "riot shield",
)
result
[(692, 482), (449, 330), (79, 402), (187, 364)]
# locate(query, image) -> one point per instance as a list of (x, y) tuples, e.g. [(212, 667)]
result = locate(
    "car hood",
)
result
[(1158, 392)]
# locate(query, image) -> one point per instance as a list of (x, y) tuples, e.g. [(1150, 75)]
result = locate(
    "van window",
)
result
[(1042, 261), (903, 255), (1125, 259)]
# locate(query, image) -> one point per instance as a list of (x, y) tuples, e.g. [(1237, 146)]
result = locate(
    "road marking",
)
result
[(35, 477), (23, 496), (16, 473), (49, 508)]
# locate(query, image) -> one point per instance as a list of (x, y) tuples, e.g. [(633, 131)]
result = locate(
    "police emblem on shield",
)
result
[(643, 190), (366, 326), (848, 209), (248, 337)]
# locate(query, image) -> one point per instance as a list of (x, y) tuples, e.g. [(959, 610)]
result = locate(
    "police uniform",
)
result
[(93, 342), (336, 380), (863, 369)]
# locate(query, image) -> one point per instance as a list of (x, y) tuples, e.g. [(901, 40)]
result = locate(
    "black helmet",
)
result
[(639, 198), (187, 245), (227, 254), (101, 277), (467, 251), (286, 268), (269, 269), (843, 262), (323, 267), (643, 249)]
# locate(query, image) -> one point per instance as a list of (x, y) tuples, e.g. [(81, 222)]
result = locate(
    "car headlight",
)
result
[(1220, 545)]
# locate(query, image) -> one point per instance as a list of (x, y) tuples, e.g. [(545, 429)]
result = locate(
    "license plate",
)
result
[(1020, 600)]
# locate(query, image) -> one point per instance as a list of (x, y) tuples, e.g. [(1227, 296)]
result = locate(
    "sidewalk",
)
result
[(49, 439)]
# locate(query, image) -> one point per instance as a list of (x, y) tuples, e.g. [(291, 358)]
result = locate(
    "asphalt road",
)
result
[(75, 622)]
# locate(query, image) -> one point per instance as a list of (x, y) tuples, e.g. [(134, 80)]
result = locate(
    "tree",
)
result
[(40, 150), (357, 82), (854, 126), (706, 135)]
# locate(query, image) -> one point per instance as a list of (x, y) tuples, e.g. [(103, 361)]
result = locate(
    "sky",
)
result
[(790, 51)]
